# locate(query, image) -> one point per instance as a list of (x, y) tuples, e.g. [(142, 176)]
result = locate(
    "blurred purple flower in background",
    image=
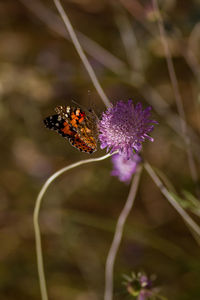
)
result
[(141, 287), (124, 127), (124, 168), (146, 287)]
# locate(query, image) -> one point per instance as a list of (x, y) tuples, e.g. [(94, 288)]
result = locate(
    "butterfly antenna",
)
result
[(73, 101), (82, 106)]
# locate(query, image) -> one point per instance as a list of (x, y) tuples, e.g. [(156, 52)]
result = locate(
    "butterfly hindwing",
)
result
[(80, 145)]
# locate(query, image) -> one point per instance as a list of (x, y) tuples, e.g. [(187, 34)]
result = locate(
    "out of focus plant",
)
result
[(141, 287)]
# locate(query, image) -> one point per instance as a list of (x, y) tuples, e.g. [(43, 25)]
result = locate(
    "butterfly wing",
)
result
[(78, 143), (84, 123), (59, 125)]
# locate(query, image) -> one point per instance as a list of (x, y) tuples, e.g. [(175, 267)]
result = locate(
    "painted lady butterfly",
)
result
[(78, 126)]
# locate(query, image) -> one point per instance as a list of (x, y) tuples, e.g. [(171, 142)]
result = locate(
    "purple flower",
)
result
[(124, 127), (144, 281), (124, 168), (145, 295), (140, 286), (146, 287)]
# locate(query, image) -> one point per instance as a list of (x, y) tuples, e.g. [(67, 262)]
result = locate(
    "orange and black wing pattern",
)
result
[(75, 125)]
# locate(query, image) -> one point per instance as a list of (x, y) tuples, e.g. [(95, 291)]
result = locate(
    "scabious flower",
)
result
[(146, 287), (124, 127), (124, 168), (140, 286)]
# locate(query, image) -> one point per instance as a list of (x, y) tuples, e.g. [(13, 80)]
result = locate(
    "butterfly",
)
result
[(77, 125)]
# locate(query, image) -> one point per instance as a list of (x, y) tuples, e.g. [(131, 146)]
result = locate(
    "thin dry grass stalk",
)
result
[(108, 295)]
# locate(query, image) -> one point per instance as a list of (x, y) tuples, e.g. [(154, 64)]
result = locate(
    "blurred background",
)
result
[(39, 69)]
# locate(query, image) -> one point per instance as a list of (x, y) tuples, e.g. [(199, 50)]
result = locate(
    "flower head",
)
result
[(124, 127), (124, 168), (140, 286)]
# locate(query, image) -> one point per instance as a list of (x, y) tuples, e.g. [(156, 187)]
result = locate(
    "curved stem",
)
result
[(44, 188), (108, 295), (81, 53)]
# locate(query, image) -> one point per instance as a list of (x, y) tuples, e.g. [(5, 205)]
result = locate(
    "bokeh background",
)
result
[(39, 69)]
